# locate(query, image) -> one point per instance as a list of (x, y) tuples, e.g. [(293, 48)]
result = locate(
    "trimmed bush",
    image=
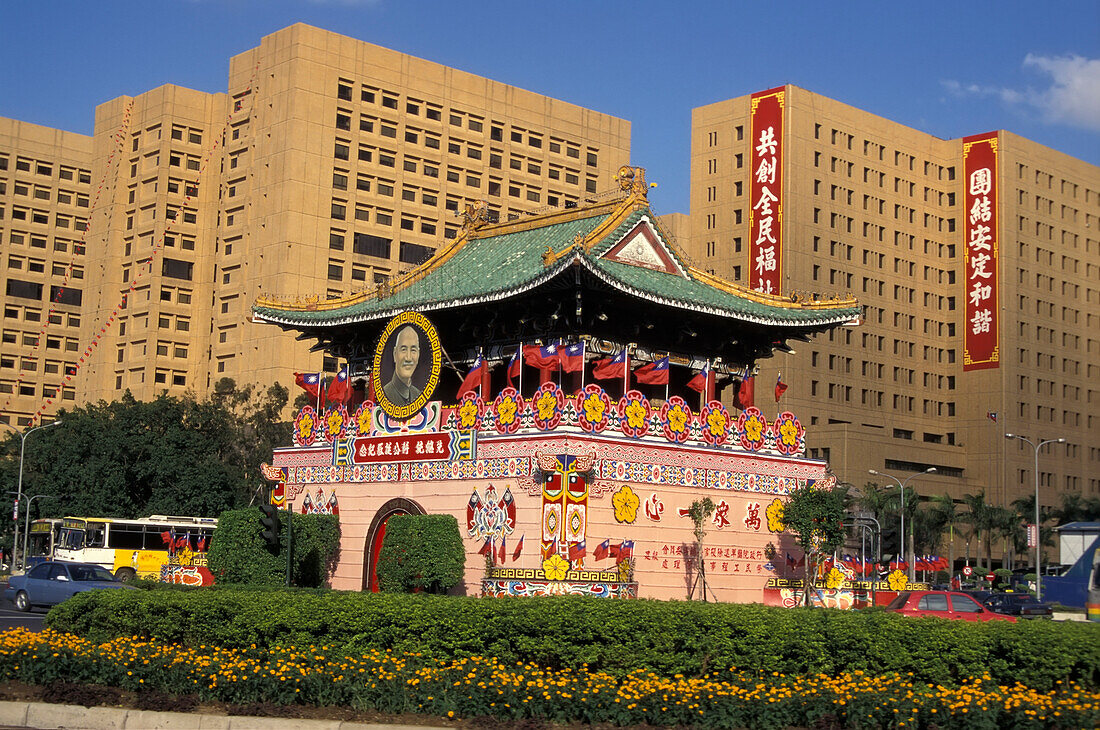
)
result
[(668, 638), (421, 553), (239, 556)]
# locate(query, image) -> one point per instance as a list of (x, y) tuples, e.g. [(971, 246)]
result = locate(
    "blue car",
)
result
[(50, 583)]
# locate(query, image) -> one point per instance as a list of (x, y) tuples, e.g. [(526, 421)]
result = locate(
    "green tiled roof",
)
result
[(504, 259)]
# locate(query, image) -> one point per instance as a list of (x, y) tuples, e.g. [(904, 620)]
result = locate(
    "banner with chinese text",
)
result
[(765, 191), (981, 348)]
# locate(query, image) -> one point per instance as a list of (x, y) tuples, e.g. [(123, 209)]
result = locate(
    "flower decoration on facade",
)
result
[(305, 424), (753, 429), (716, 423), (362, 419), (788, 434), (625, 503), (595, 408), (774, 513), (835, 579), (555, 567), (897, 580), (506, 409), (470, 409), (626, 569), (676, 419), (336, 422), (548, 402), (634, 412)]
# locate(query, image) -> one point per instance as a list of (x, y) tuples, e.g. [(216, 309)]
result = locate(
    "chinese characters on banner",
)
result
[(765, 191), (980, 349)]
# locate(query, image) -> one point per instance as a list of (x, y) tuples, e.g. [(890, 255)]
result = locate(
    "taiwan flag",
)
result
[(745, 394), (577, 550), (515, 365), (501, 553), (699, 382), (547, 357), (601, 550), (472, 382), (780, 387), (519, 549), (654, 373), (339, 390), (309, 382), (572, 358), (611, 367)]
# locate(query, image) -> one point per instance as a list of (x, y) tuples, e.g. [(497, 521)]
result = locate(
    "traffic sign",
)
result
[(968, 571)]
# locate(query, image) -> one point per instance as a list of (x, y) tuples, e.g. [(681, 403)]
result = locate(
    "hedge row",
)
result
[(618, 637)]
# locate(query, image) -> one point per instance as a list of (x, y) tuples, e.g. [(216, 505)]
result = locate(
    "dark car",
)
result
[(50, 583), (944, 604), (1023, 605)]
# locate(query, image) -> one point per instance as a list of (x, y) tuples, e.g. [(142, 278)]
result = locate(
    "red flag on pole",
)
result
[(699, 382), (780, 387), (577, 550), (501, 554), (744, 394), (309, 382), (472, 382), (339, 390), (546, 357), (572, 357), (654, 373), (518, 550), (515, 365), (601, 550), (487, 548), (611, 367)]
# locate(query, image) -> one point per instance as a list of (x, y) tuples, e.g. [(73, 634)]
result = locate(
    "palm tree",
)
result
[(1003, 523), (943, 506), (978, 518)]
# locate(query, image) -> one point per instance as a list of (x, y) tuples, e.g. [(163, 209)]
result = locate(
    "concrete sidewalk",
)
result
[(45, 716)]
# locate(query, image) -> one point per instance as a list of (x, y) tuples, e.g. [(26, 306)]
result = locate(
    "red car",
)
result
[(945, 604)]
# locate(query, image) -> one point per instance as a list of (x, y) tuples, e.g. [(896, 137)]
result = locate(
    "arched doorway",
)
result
[(377, 531)]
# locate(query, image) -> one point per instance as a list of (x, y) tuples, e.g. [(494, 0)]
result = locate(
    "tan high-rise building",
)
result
[(328, 166), (45, 199), (878, 209)]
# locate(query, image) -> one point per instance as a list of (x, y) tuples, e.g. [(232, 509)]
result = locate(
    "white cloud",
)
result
[(1072, 96)]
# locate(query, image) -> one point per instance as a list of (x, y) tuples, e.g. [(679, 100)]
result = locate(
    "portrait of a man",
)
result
[(400, 389)]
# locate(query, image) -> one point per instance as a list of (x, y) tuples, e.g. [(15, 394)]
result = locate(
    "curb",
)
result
[(44, 716)]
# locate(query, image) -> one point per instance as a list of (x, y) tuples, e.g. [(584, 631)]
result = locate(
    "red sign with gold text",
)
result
[(981, 347), (766, 191)]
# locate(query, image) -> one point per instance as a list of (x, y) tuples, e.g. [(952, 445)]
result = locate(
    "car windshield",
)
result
[(89, 573), (899, 601)]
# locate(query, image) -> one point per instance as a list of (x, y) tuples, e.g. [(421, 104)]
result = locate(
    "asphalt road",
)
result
[(10, 618)]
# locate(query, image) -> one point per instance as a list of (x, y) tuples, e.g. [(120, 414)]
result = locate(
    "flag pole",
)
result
[(582, 363), (521, 369), (668, 376), (626, 369)]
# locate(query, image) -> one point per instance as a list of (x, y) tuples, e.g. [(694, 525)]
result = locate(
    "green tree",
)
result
[(816, 517), (947, 515), (129, 458), (979, 518)]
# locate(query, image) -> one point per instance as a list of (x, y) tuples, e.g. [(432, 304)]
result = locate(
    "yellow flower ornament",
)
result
[(555, 567), (625, 503)]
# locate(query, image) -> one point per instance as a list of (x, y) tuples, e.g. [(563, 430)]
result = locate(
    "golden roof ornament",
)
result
[(632, 180), (475, 215)]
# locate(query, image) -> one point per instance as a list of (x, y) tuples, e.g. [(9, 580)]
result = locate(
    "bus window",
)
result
[(72, 538), (95, 537), (126, 537)]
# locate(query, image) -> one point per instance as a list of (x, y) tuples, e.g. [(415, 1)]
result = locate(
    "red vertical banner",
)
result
[(981, 348), (766, 191)]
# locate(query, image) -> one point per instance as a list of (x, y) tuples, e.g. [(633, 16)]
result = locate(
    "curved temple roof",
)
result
[(610, 251)]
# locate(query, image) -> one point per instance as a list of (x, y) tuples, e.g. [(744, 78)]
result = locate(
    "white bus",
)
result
[(41, 541), (168, 548)]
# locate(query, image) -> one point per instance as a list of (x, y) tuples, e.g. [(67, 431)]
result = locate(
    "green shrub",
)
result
[(668, 638), (239, 556), (421, 553)]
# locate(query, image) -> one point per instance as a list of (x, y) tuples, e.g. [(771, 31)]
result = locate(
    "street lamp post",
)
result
[(27, 523), (1038, 565), (901, 484), (19, 494)]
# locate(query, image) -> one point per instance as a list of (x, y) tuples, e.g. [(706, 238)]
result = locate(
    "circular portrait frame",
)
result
[(425, 376)]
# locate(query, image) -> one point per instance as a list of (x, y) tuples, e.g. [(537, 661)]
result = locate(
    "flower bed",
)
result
[(480, 686)]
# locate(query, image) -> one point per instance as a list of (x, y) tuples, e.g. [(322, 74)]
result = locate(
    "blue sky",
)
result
[(946, 68)]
